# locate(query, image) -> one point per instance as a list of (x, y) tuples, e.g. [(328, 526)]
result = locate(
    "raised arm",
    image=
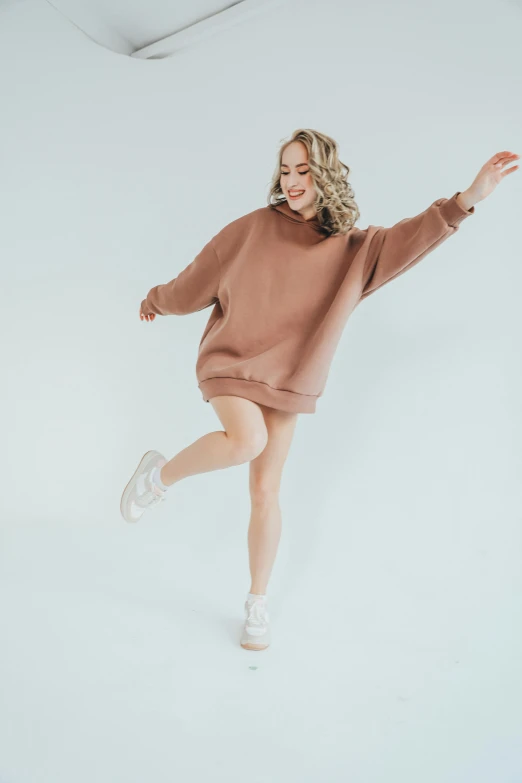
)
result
[(394, 250), (194, 289)]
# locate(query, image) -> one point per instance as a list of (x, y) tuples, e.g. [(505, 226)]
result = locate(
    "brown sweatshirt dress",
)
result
[(282, 291)]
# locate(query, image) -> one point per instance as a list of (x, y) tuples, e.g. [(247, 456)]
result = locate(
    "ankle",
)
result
[(164, 480), (261, 593), (157, 479)]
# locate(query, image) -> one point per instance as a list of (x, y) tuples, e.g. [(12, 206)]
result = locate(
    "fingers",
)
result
[(501, 159), (504, 157), (509, 171)]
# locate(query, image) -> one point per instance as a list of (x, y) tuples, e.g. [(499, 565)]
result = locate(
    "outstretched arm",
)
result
[(396, 249), (194, 289)]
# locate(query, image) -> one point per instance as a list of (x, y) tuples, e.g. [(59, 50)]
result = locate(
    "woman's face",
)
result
[(296, 177)]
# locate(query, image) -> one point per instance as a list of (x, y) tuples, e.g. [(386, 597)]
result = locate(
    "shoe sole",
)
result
[(250, 646), (147, 458)]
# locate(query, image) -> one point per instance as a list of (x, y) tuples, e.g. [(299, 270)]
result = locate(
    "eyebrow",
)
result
[(297, 166)]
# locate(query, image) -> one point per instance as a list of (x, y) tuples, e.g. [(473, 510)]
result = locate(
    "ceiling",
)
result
[(153, 29)]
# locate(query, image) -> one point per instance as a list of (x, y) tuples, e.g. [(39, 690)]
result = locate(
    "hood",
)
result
[(284, 209)]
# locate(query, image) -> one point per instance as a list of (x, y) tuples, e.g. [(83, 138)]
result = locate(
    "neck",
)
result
[(308, 214)]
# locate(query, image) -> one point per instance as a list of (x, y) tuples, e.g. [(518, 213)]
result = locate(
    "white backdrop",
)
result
[(396, 594)]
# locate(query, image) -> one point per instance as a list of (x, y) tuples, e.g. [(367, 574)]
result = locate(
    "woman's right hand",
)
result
[(149, 317)]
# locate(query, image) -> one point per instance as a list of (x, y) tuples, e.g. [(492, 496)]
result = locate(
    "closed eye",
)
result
[(284, 173)]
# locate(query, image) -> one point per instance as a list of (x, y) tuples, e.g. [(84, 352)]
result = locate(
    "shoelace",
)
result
[(257, 613)]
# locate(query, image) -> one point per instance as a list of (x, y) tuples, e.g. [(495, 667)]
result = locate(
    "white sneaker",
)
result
[(256, 632), (141, 493)]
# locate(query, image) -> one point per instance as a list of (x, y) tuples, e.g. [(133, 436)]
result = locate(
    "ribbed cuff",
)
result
[(452, 212)]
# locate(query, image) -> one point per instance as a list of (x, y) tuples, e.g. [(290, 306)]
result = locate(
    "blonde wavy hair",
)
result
[(336, 209)]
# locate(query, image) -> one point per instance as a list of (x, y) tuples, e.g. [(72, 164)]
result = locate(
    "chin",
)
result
[(297, 205)]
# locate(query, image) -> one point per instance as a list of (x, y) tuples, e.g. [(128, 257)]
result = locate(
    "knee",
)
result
[(249, 445)]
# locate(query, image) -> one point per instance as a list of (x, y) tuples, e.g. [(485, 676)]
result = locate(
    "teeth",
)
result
[(296, 193)]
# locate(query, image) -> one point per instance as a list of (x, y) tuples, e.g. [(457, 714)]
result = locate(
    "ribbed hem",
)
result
[(452, 212), (292, 402)]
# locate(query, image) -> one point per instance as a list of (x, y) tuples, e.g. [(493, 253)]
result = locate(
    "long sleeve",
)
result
[(396, 249), (194, 289)]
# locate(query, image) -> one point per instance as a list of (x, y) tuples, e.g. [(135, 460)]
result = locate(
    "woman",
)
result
[(283, 281)]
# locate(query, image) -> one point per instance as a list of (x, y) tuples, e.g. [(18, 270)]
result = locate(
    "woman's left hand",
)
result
[(490, 175)]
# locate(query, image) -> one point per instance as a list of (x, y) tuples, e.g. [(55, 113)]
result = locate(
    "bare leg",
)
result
[(245, 436), (264, 532)]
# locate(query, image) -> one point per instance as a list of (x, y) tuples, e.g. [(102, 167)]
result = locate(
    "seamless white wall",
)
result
[(401, 497)]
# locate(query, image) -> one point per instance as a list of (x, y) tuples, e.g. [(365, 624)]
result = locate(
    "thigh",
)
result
[(267, 468), (241, 418)]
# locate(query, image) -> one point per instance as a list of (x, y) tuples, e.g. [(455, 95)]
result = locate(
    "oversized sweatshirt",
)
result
[(281, 291)]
